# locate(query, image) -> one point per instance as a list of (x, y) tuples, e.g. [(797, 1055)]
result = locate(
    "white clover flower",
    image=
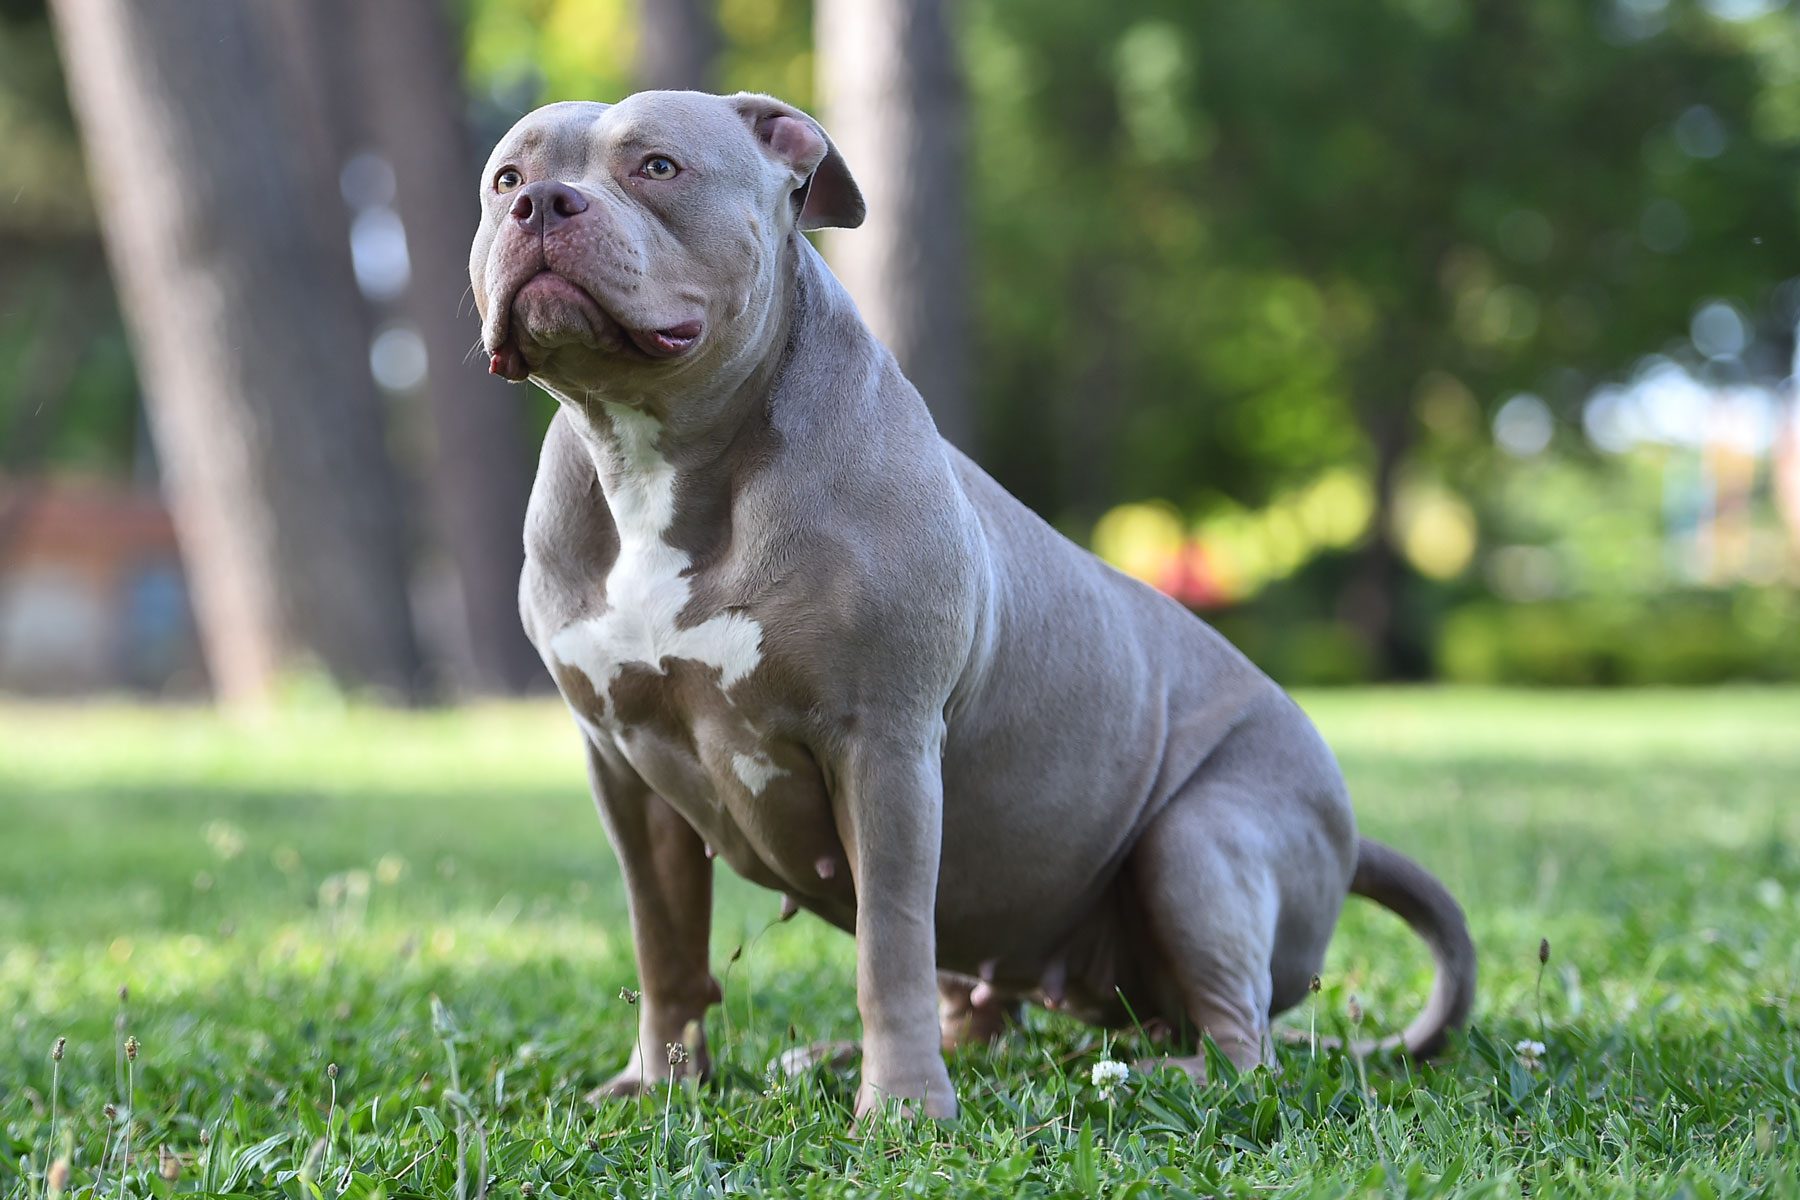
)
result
[(1530, 1053), (1107, 1075)]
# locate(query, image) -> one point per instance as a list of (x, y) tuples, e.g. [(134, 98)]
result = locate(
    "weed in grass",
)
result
[(111, 1113), (468, 1120), (1313, 988), (331, 1075), (131, 1054), (1537, 994), (56, 1060)]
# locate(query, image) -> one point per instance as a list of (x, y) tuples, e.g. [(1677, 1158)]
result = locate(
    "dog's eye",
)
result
[(508, 179), (659, 167)]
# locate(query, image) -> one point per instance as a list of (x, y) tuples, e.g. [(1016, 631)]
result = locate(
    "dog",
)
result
[(801, 632)]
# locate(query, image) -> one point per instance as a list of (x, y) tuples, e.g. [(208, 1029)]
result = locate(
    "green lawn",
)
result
[(285, 895)]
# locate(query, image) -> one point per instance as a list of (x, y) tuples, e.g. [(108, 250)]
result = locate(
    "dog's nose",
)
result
[(542, 206)]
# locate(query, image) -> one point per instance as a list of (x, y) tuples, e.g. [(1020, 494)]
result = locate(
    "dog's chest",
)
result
[(665, 678), (665, 697), (661, 670), (642, 619), (755, 796), (643, 626)]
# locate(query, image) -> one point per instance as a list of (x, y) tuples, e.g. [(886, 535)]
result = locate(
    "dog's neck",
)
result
[(694, 444)]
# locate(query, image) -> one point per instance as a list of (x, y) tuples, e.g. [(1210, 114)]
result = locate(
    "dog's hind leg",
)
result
[(971, 1013), (1212, 907), (1240, 880)]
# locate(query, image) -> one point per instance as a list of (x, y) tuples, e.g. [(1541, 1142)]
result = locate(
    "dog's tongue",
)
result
[(508, 363), (666, 343)]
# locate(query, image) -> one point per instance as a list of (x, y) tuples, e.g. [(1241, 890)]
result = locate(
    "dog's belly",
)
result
[(760, 803)]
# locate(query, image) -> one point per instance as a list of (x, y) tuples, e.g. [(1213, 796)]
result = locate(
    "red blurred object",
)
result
[(92, 596), (1191, 579)]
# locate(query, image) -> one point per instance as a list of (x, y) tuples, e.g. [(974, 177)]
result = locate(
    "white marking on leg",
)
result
[(647, 588)]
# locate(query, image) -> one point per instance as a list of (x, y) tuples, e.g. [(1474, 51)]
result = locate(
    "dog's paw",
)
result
[(975, 1017), (635, 1080), (623, 1086), (1193, 1066), (930, 1096), (798, 1060)]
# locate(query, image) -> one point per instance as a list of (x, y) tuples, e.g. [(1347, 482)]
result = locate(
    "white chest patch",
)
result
[(755, 771), (646, 590)]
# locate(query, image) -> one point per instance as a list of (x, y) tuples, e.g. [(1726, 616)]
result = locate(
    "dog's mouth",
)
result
[(551, 310)]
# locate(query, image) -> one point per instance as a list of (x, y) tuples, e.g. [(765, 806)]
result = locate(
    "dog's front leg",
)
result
[(891, 809), (668, 888)]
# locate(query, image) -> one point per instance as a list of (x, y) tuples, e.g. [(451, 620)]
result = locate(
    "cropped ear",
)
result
[(828, 197)]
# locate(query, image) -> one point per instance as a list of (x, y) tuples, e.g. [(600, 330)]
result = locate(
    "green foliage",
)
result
[(1667, 638), (1231, 241), (422, 898), (1222, 245), (526, 52), (41, 179), (69, 395), (72, 399)]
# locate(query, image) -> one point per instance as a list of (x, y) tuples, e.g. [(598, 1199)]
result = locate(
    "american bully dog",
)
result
[(801, 632)]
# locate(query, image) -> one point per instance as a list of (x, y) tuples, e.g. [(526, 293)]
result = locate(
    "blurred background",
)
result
[(1403, 339)]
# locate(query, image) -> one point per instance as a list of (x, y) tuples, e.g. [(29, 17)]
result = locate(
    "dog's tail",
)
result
[(1412, 893)]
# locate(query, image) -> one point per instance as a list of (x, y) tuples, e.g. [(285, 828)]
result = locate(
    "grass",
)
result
[(367, 953)]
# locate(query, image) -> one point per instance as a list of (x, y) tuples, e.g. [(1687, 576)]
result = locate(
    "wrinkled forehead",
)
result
[(555, 131), (692, 126)]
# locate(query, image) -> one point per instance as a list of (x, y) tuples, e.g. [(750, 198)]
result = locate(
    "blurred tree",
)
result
[(891, 93), (230, 252), (1219, 248), (410, 71), (69, 399), (677, 45)]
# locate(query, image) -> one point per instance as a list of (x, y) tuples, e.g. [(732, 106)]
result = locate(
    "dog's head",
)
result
[(623, 245)]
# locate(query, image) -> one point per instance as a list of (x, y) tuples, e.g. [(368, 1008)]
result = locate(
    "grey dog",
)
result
[(801, 632)]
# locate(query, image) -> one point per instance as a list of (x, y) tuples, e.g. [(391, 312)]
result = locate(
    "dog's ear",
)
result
[(828, 197)]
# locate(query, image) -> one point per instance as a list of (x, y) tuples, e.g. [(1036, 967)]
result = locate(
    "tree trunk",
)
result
[(1372, 599), (678, 45), (232, 263), (1087, 407), (892, 97), (319, 78), (480, 467)]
